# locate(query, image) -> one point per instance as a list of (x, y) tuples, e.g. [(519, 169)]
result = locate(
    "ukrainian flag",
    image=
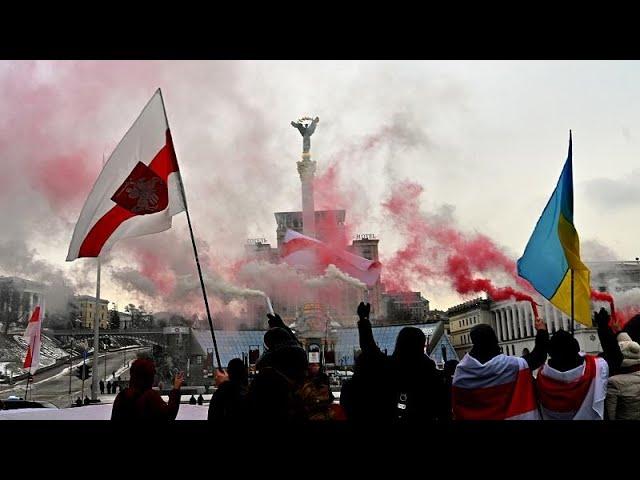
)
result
[(553, 252)]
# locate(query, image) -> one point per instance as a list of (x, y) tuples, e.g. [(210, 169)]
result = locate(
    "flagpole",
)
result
[(572, 313), (26, 391), (96, 334), (195, 251)]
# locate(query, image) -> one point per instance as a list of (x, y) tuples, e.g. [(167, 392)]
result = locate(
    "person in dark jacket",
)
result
[(610, 348), (101, 385), (228, 402), (484, 367), (632, 328), (139, 402), (403, 388), (109, 387), (281, 372), (192, 400), (449, 371)]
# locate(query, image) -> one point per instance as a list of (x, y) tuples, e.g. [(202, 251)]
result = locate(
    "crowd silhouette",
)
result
[(554, 381)]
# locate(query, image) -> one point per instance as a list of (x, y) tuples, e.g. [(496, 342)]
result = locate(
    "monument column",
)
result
[(307, 170)]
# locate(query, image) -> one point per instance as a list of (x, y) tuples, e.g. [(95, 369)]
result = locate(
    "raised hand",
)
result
[(178, 380), (540, 324), (364, 310), (601, 318), (220, 377), (275, 320)]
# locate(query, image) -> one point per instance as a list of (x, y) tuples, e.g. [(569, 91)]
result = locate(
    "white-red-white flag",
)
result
[(32, 336), (314, 255), (138, 190)]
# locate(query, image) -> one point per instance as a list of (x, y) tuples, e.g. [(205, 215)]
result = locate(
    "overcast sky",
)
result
[(486, 140)]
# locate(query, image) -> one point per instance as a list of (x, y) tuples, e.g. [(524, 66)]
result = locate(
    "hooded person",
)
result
[(139, 402), (281, 370), (488, 385), (623, 389), (228, 402), (402, 388), (572, 385)]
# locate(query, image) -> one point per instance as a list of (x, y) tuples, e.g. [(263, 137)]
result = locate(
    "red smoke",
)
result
[(156, 269), (619, 317), (435, 248), (65, 178), (460, 275)]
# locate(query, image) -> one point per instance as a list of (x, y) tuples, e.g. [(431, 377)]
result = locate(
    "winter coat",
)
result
[(145, 405), (623, 390), (391, 389), (272, 394), (228, 403)]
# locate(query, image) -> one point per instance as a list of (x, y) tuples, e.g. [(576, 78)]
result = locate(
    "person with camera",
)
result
[(404, 388)]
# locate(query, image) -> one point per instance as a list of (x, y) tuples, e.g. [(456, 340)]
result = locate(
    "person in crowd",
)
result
[(78, 402), (281, 371), (405, 387), (86, 400), (192, 400), (623, 390), (572, 385), (228, 402), (200, 400), (489, 385), (139, 402), (632, 328), (109, 386), (316, 397), (449, 371), (610, 349), (101, 385)]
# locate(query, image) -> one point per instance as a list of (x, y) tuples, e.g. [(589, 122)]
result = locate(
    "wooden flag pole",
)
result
[(195, 253)]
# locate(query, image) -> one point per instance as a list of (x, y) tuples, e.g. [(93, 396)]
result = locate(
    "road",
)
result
[(53, 385)]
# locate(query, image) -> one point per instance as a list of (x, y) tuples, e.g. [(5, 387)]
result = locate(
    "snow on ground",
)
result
[(92, 412)]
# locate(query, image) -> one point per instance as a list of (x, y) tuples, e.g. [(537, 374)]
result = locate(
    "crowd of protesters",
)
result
[(554, 381)]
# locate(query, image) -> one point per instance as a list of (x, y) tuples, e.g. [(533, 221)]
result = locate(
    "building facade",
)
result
[(514, 324), (87, 310), (18, 298), (463, 317), (404, 307)]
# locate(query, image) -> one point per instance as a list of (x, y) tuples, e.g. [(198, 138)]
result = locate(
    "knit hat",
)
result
[(630, 350)]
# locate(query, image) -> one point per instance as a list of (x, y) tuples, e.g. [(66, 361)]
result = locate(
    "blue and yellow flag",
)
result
[(554, 250)]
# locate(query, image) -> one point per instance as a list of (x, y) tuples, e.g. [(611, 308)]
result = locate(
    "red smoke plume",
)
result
[(449, 253)]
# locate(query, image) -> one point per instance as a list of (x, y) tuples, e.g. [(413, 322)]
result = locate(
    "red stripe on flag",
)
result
[(495, 403), (164, 163), (566, 397), (27, 360)]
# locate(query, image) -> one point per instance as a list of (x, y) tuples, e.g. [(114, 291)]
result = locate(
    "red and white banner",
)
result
[(314, 255), (576, 394), (501, 389), (138, 190), (32, 336)]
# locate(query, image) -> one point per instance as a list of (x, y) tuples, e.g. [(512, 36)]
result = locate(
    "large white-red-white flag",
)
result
[(314, 255), (501, 389), (33, 339), (138, 190)]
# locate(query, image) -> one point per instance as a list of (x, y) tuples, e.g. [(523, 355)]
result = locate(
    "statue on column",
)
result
[(306, 126)]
